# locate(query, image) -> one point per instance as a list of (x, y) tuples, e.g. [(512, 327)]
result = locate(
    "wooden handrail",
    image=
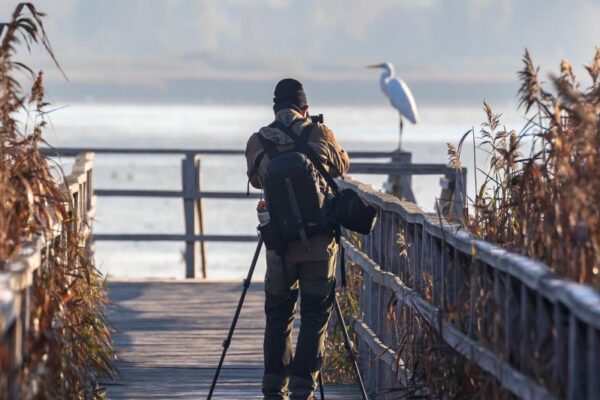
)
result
[(73, 151), (537, 333), (192, 193)]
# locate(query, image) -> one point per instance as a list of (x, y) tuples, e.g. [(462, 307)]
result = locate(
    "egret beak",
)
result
[(375, 66)]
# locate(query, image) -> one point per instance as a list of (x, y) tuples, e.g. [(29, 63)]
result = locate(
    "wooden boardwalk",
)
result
[(168, 339)]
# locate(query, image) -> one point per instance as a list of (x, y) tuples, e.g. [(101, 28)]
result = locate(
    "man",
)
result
[(309, 271)]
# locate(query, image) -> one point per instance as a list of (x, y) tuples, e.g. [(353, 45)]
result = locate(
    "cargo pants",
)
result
[(298, 373)]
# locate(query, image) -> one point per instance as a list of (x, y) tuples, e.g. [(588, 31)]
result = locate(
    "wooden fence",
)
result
[(192, 194), (537, 334), (20, 273)]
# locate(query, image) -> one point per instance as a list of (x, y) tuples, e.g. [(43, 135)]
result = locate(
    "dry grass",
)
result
[(541, 193), (69, 347), (337, 365)]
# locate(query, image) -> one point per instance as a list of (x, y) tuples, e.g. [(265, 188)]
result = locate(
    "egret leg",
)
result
[(401, 128)]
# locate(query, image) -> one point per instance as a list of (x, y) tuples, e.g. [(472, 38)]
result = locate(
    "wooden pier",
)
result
[(168, 339), (529, 333)]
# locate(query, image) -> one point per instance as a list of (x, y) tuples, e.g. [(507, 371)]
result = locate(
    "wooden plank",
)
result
[(74, 151), (159, 237), (175, 193), (399, 168), (168, 339)]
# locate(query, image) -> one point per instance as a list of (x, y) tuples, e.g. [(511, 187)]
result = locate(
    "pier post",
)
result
[(460, 194), (451, 203), (399, 184), (190, 212), (200, 211)]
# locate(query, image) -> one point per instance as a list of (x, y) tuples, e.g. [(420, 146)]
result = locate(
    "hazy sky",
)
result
[(152, 43)]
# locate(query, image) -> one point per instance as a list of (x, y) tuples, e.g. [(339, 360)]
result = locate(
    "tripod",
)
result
[(348, 344), (246, 284)]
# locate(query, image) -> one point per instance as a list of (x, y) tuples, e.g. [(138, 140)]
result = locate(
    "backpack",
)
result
[(345, 207), (297, 205)]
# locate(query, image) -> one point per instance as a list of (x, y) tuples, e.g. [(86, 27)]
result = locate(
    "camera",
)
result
[(317, 118)]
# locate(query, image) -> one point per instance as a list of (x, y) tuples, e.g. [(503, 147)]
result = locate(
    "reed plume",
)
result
[(69, 348), (545, 205)]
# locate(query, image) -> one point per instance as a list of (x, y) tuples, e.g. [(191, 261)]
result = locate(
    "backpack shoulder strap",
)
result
[(306, 133), (257, 161), (269, 147), (301, 142)]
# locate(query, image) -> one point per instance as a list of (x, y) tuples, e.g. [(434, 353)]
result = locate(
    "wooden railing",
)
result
[(20, 273), (536, 333), (192, 194)]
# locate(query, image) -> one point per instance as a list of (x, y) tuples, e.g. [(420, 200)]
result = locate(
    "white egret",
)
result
[(399, 95)]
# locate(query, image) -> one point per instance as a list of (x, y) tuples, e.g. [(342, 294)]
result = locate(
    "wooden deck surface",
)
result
[(168, 339)]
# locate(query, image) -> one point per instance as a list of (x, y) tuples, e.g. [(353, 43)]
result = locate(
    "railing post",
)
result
[(393, 248), (17, 351), (399, 184), (90, 203), (458, 198), (453, 195), (200, 211), (190, 212), (577, 378), (593, 344), (444, 203)]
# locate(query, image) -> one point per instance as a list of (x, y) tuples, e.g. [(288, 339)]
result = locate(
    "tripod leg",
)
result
[(349, 347), (227, 341), (321, 386)]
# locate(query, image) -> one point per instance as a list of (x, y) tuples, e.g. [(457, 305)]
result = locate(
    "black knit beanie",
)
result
[(290, 91)]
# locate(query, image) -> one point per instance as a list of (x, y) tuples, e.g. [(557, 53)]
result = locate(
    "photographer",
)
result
[(308, 265)]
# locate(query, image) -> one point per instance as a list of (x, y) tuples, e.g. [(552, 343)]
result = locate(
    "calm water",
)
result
[(197, 126)]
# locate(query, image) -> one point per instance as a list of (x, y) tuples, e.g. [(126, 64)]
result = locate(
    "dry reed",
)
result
[(541, 193), (69, 347), (337, 365), (540, 196)]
